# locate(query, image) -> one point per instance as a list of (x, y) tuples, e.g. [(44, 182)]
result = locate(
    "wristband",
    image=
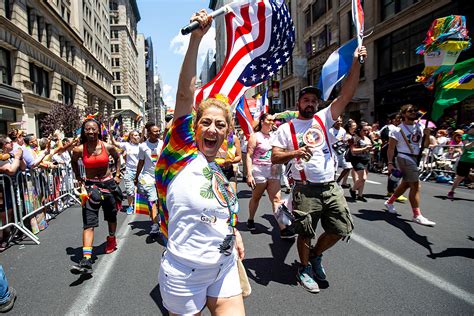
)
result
[(390, 163)]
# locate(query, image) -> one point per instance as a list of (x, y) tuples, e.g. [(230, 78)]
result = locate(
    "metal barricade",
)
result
[(441, 159), (40, 189), (11, 208)]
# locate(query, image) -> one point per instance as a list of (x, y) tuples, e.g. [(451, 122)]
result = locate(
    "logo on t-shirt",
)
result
[(313, 136), (415, 138)]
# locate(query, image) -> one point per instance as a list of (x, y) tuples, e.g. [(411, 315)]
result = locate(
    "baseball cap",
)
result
[(309, 89)]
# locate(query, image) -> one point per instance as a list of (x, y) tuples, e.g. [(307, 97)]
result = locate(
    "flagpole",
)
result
[(195, 25)]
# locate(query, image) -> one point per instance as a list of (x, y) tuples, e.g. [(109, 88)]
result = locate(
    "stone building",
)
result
[(124, 16), (51, 52), (151, 106)]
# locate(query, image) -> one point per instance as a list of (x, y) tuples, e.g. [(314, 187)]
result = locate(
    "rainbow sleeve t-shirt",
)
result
[(179, 149)]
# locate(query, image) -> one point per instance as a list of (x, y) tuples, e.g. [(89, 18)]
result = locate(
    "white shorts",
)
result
[(342, 163), (185, 289), (263, 173)]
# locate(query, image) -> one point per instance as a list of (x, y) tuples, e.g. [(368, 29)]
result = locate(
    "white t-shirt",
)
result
[(149, 152), (197, 220), (320, 168), (336, 134), (131, 161), (414, 135), (438, 150)]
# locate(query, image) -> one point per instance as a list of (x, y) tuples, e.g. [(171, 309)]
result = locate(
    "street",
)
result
[(390, 266)]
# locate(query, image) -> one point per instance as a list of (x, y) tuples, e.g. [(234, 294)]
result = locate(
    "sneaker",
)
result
[(361, 198), (251, 224), (420, 219), (83, 267), (346, 186), (401, 199), (451, 195), (318, 268), (390, 208), (287, 233), (130, 210), (8, 305), (305, 277), (352, 193), (111, 245), (155, 229), (389, 194)]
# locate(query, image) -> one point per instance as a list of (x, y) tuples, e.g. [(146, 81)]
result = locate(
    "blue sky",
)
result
[(162, 20)]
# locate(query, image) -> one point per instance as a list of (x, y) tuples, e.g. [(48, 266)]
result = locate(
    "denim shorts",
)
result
[(149, 190), (129, 184), (185, 289)]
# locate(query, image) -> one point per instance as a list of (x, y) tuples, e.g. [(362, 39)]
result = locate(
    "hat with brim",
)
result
[(311, 90)]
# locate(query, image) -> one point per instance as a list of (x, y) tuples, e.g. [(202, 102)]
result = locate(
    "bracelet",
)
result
[(390, 163)]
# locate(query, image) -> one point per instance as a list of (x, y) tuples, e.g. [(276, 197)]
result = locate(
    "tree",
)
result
[(64, 117)]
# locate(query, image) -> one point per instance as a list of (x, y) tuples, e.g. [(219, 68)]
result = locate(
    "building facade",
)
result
[(151, 107), (124, 16), (52, 52)]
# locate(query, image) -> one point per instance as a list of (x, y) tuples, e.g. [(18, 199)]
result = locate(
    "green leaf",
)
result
[(206, 192), (207, 172)]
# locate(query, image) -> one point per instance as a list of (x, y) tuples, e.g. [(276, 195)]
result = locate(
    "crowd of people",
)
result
[(189, 177)]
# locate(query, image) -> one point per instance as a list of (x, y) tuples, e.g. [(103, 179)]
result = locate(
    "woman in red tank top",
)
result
[(101, 186)]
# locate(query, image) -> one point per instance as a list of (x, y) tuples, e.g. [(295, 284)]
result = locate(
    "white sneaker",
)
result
[(390, 208), (420, 219), (155, 229)]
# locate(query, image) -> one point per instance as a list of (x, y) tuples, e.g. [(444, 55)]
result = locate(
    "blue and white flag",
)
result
[(336, 67)]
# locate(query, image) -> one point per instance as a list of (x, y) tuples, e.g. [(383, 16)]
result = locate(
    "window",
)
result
[(113, 6), (307, 17), (117, 89), (40, 80), (114, 48), (119, 104), (48, 29), (308, 46), (115, 62), (8, 12), (30, 21), (61, 46), (397, 50), (5, 70), (392, 7), (116, 75), (114, 34), (322, 40), (67, 92), (318, 9)]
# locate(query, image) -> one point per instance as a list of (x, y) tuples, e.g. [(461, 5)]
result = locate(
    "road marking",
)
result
[(421, 273), (87, 297)]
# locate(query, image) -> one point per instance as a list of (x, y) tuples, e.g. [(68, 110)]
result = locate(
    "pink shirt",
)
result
[(263, 150)]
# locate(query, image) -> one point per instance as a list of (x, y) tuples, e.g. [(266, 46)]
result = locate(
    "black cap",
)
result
[(310, 89)]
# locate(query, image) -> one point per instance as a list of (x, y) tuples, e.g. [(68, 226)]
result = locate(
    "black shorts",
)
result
[(229, 173), (359, 164), (464, 168), (100, 194)]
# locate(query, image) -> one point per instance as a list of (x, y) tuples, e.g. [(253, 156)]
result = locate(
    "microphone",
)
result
[(195, 24)]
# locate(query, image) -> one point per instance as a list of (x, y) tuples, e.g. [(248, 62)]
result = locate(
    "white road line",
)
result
[(93, 287), (421, 273)]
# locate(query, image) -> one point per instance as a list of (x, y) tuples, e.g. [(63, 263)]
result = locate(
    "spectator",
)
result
[(466, 162), (7, 293)]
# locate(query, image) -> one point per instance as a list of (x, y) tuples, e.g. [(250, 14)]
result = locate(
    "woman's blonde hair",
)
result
[(219, 102)]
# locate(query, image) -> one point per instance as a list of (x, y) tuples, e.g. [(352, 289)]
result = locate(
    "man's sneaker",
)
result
[(111, 244), (155, 229), (352, 193), (451, 195), (305, 277), (130, 210), (390, 208), (361, 198), (420, 219), (389, 194), (84, 267), (346, 186), (8, 305), (401, 199), (287, 233), (318, 268), (251, 224)]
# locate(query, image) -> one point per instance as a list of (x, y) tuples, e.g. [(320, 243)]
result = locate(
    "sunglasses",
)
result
[(411, 111)]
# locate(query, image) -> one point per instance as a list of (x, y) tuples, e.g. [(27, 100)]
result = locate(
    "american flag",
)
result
[(260, 40)]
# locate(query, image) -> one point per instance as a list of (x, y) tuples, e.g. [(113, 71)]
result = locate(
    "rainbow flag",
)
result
[(454, 87), (142, 205)]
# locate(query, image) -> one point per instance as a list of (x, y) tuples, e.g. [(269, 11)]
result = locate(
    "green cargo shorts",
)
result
[(312, 202)]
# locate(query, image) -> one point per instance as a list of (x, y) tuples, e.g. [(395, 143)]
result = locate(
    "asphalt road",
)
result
[(390, 266)]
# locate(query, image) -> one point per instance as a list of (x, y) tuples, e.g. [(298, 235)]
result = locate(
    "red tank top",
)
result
[(92, 161)]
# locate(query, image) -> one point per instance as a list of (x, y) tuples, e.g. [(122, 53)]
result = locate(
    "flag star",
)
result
[(275, 28), (286, 54), (287, 58), (263, 58), (271, 73), (269, 68), (263, 65), (244, 79), (253, 67), (254, 77), (262, 76), (277, 61)]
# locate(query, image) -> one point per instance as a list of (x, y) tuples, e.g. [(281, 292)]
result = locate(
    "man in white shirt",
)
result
[(148, 153), (339, 143), (316, 195), (408, 139)]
